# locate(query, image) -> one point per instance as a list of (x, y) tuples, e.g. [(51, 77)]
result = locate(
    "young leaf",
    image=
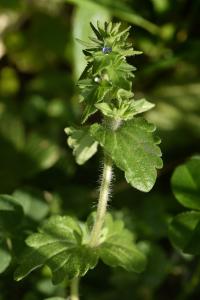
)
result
[(92, 95), (59, 246), (83, 145), (186, 183), (118, 248), (133, 149), (142, 105), (184, 229)]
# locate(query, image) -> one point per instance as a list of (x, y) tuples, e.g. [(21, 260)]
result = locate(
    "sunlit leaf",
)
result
[(59, 245), (83, 145), (133, 149)]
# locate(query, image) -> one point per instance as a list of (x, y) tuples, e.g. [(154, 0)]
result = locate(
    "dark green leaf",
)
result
[(184, 232), (133, 149), (186, 183), (33, 203), (5, 259), (11, 214), (93, 95)]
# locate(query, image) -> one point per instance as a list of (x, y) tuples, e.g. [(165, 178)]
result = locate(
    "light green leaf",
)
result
[(124, 109), (83, 145), (186, 183), (59, 245), (184, 230), (118, 71), (5, 259), (142, 105), (82, 30), (133, 149), (11, 214), (121, 11)]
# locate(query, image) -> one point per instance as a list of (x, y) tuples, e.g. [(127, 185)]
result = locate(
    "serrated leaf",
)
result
[(97, 33), (5, 259), (133, 149), (11, 214), (186, 183), (117, 248), (93, 95), (184, 229), (83, 145), (118, 71), (59, 246)]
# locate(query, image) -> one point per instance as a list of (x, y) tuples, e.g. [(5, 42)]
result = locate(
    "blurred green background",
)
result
[(40, 62)]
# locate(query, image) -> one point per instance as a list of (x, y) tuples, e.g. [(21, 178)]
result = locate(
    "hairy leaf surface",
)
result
[(59, 246), (133, 149), (118, 249), (83, 145)]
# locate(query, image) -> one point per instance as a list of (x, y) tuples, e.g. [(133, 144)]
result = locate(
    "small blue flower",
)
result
[(106, 50)]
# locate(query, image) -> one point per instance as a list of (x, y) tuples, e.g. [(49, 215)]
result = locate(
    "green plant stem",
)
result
[(102, 202), (74, 287)]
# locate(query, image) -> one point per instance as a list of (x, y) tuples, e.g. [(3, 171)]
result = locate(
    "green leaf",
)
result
[(11, 214), (92, 95), (142, 105), (5, 259), (117, 248), (133, 148), (184, 232), (158, 265), (118, 71), (59, 245), (186, 183), (43, 154), (33, 203), (83, 145), (124, 109), (82, 30)]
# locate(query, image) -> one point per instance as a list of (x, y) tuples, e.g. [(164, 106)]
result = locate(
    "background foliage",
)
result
[(40, 62)]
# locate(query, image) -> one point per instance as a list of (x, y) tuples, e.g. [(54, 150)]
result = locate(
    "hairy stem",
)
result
[(102, 202), (74, 287)]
